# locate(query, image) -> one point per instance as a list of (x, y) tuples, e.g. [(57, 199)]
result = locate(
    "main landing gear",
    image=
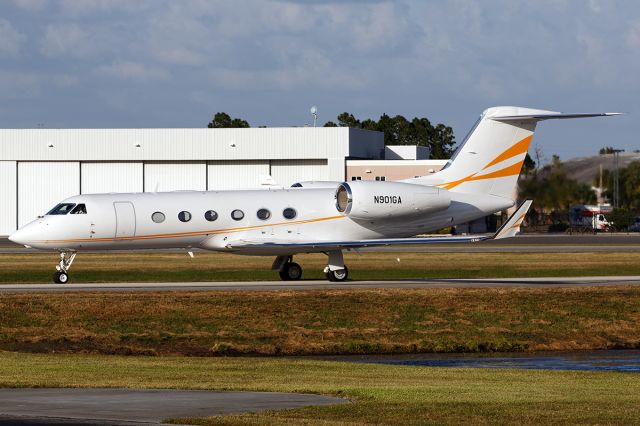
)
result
[(61, 276), (288, 269), (335, 271)]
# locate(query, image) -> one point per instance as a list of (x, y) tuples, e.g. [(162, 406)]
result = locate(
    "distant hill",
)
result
[(584, 169)]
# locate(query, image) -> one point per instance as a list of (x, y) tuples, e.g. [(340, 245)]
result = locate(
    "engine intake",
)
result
[(377, 200)]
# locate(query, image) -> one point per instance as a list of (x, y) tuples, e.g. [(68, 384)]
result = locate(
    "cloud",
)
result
[(447, 59), (133, 71), (18, 85), (31, 5), (65, 80), (10, 40), (66, 39)]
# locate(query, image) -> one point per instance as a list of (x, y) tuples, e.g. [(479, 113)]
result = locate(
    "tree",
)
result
[(222, 120), (629, 184), (348, 120), (400, 131), (529, 166), (553, 190), (606, 150)]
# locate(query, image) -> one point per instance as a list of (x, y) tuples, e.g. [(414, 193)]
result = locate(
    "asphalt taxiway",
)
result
[(325, 285), (131, 406)]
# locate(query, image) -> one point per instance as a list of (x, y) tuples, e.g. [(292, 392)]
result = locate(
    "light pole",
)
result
[(616, 177), (314, 112)]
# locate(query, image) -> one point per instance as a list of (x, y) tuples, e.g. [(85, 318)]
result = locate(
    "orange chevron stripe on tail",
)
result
[(520, 147)]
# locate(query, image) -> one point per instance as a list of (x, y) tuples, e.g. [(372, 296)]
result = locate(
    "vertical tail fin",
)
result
[(491, 156)]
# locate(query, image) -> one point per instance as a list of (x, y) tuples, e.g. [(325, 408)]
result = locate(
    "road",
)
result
[(129, 406), (324, 285)]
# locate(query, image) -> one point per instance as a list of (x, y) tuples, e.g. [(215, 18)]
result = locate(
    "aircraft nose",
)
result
[(17, 237), (24, 235)]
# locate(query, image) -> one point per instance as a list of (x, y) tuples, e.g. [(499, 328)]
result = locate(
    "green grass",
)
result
[(172, 267), (322, 321), (380, 394)]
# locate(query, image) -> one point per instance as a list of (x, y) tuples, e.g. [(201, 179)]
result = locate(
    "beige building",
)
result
[(390, 169)]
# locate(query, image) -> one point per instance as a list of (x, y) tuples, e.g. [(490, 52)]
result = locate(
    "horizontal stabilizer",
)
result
[(549, 115)]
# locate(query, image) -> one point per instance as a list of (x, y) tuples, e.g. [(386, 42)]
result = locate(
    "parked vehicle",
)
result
[(590, 217)]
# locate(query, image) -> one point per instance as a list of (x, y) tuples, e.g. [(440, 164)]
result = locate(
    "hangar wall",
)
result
[(41, 185), (8, 195), (40, 167)]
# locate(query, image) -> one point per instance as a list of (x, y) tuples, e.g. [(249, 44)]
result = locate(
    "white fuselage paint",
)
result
[(123, 221)]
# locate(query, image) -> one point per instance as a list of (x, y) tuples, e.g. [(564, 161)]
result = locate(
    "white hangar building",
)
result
[(40, 167)]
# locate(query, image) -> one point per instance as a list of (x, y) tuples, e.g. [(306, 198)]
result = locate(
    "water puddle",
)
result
[(614, 360)]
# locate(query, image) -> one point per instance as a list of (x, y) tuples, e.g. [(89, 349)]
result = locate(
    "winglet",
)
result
[(512, 226)]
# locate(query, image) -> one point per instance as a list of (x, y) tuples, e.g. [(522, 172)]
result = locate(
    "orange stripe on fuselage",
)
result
[(191, 234)]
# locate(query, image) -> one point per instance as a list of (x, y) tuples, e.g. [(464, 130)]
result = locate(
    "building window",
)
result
[(210, 215), (158, 217), (356, 177), (184, 216), (381, 178), (263, 214), (237, 214), (289, 213)]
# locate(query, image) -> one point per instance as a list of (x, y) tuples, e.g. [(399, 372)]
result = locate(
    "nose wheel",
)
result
[(61, 276)]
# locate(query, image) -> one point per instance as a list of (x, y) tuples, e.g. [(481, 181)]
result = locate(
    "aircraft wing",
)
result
[(509, 229)]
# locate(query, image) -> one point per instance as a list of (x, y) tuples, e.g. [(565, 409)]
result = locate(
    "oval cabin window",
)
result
[(237, 214), (184, 216), (210, 215), (158, 217), (289, 213), (263, 214)]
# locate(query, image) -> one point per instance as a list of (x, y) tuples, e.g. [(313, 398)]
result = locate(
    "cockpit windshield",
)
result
[(80, 209), (62, 208)]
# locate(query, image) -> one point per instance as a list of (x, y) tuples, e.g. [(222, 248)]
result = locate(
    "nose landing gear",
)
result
[(61, 276)]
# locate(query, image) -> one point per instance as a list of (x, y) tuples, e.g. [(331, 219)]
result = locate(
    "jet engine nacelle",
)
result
[(378, 200)]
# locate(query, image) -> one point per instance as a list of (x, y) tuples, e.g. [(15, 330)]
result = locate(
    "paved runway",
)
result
[(324, 285), (128, 406)]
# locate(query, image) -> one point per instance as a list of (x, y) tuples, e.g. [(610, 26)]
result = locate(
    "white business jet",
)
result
[(329, 217)]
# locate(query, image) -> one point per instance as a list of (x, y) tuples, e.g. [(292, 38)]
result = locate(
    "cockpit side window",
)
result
[(80, 209), (61, 209)]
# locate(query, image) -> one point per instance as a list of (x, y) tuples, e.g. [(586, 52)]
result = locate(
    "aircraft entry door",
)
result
[(125, 219)]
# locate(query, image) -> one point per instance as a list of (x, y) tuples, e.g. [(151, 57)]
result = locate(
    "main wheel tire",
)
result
[(60, 277), (291, 272), (338, 275)]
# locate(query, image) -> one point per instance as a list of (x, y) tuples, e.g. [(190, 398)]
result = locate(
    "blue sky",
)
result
[(172, 63)]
